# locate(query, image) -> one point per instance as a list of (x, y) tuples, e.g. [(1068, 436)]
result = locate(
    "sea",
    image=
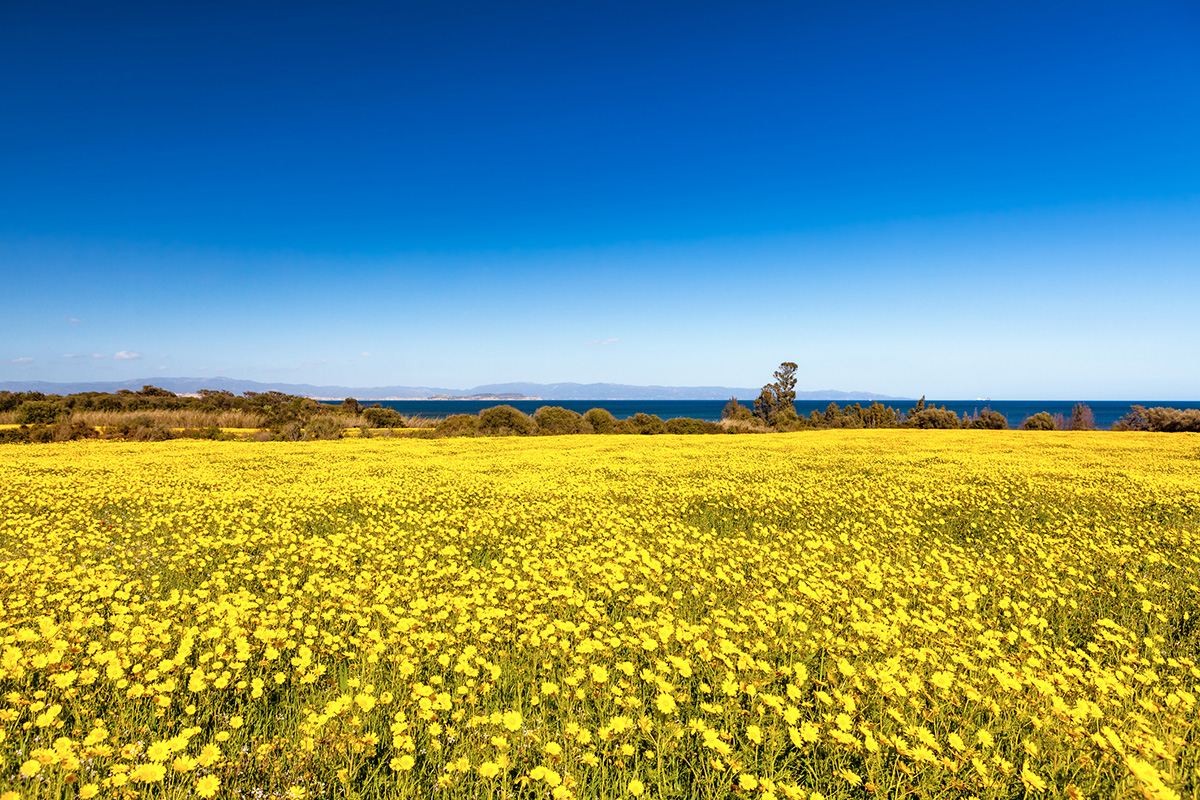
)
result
[(1015, 411)]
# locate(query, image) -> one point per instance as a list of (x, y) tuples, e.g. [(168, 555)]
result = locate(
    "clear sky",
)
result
[(952, 199)]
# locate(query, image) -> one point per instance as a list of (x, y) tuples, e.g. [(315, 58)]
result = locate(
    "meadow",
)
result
[(838, 614)]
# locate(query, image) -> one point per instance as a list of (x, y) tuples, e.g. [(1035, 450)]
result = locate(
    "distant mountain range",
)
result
[(544, 391), (623, 391)]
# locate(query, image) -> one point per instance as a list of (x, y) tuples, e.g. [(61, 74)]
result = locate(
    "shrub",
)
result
[(1082, 418), (786, 419), (1174, 420), (735, 410), (153, 432), (458, 425), (1159, 419), (39, 412), (647, 424), (141, 428), (505, 421), (933, 417), (14, 435), (211, 432), (325, 427), (752, 425), (67, 431), (989, 420), (689, 425), (555, 420), (601, 420), (40, 434), (1041, 421), (1135, 420), (381, 417), (291, 431)]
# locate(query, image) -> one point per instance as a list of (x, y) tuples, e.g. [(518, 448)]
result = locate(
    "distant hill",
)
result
[(192, 385), (545, 391)]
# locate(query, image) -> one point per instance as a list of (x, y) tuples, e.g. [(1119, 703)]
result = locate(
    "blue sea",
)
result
[(1106, 411)]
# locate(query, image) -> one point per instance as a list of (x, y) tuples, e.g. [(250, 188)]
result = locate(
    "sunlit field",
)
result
[(839, 614)]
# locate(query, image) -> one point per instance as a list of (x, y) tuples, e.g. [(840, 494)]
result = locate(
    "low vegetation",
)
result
[(154, 414), (1163, 420)]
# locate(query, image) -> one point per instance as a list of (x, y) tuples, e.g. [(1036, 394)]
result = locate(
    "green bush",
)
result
[(601, 420), (786, 419), (1174, 420), (61, 431), (990, 420), (142, 428), (381, 417), (458, 425), (1160, 419), (647, 424), (1041, 421), (14, 435), (556, 420), (505, 421), (932, 417), (40, 434), (291, 431), (692, 426), (735, 410), (324, 427), (39, 412)]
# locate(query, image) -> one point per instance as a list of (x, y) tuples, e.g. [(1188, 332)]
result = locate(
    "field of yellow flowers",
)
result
[(817, 615)]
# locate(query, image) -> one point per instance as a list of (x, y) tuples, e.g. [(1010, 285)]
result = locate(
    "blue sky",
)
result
[(951, 199)]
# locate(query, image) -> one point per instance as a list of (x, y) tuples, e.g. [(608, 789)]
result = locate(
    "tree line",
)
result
[(154, 414), (148, 414), (775, 409)]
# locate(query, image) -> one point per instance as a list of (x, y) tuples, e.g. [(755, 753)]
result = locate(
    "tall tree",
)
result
[(778, 397), (765, 405), (785, 386)]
